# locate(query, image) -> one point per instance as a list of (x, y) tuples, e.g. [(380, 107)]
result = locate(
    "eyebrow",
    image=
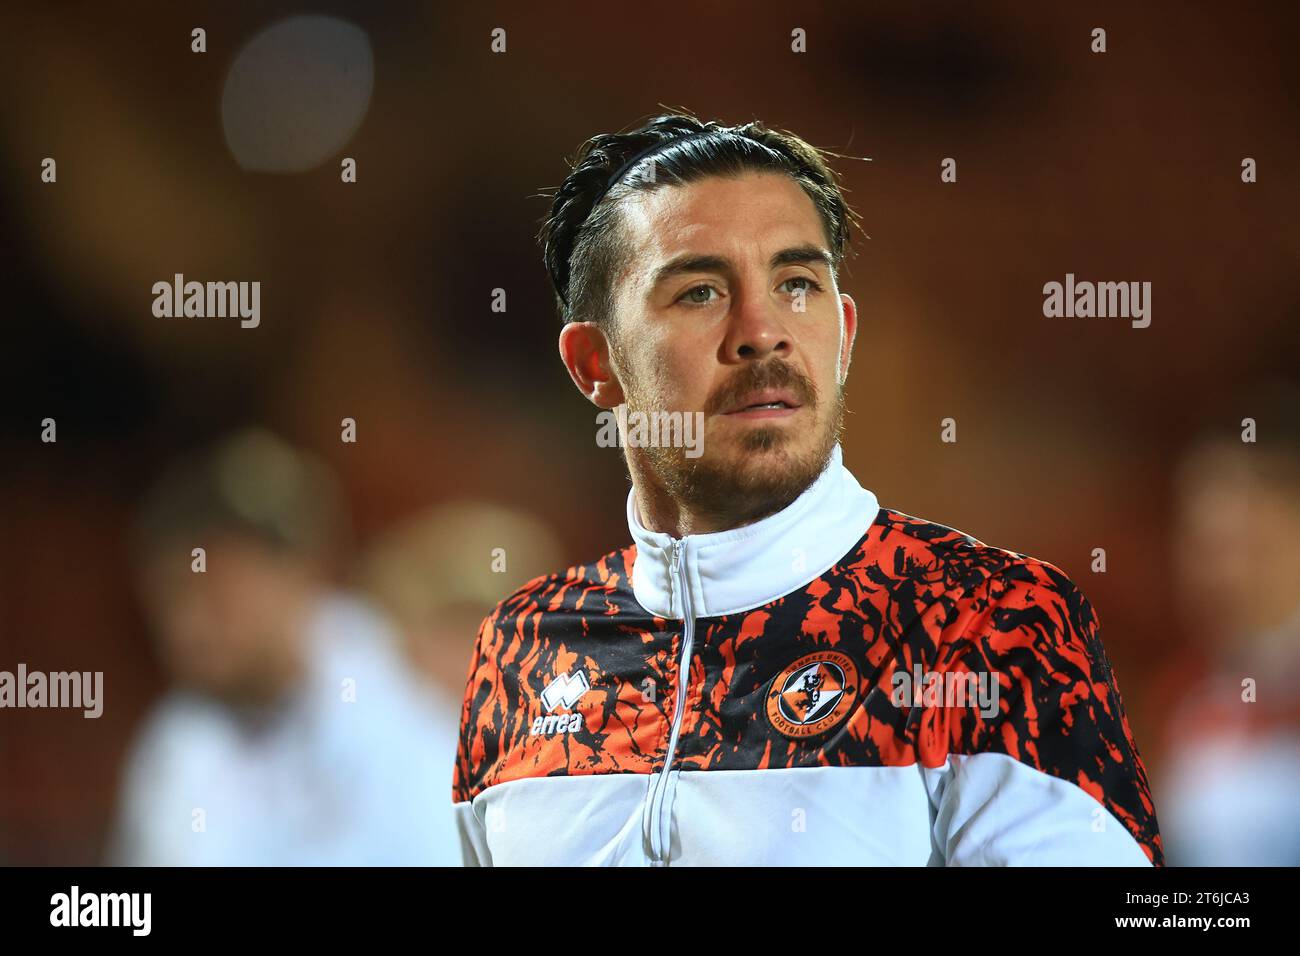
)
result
[(687, 263)]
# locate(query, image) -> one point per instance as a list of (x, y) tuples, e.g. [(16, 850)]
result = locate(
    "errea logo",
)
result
[(565, 691)]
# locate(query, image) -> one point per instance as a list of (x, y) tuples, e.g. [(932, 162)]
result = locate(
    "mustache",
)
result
[(775, 373)]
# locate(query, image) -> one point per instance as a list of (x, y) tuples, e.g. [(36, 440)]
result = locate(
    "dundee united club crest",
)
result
[(813, 694)]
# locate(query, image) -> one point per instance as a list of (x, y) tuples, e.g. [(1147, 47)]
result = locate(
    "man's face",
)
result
[(231, 630), (728, 306), (1235, 558)]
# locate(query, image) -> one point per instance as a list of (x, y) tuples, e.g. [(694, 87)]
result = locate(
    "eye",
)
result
[(812, 284), (689, 296)]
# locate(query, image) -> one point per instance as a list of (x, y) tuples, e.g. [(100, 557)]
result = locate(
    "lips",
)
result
[(766, 399)]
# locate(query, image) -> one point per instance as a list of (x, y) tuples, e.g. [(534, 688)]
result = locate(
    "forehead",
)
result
[(746, 216)]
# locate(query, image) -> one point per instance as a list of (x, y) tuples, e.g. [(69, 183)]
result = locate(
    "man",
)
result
[(1231, 764), (294, 734), (767, 674)]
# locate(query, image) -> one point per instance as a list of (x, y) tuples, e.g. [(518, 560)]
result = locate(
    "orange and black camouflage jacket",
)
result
[(839, 682)]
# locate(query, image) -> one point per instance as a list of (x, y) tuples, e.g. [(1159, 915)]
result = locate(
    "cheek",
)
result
[(829, 340), (836, 342), (688, 379), (673, 375), (821, 350)]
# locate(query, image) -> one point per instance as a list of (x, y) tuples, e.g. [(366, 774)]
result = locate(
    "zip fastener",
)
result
[(661, 815)]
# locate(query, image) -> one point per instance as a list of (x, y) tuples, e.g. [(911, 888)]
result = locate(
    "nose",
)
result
[(756, 329)]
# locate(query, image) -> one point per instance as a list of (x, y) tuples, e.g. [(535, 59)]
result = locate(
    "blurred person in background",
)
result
[(438, 574), (1232, 758), (294, 734)]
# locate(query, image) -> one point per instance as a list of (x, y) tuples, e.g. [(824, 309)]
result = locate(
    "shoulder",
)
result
[(182, 729), (578, 587), (927, 558), (1019, 634), (550, 605), (907, 546), (1025, 639), (969, 599), (1032, 606)]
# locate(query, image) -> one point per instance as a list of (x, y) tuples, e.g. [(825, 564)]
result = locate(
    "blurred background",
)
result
[(376, 305)]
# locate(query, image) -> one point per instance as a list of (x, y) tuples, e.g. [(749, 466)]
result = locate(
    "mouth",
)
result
[(766, 403)]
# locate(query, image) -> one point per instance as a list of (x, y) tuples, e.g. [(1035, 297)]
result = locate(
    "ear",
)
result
[(585, 353), (849, 332)]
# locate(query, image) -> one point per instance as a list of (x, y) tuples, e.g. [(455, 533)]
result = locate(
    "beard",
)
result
[(764, 471)]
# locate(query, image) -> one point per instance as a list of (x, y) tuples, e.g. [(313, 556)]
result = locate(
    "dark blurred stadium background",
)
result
[(376, 296)]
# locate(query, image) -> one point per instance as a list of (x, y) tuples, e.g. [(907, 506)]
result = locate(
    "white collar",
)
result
[(740, 569)]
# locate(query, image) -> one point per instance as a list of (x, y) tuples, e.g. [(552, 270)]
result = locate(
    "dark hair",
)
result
[(581, 243)]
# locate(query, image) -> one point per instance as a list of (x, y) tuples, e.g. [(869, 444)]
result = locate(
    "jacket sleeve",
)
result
[(473, 837), (470, 826), (1048, 774)]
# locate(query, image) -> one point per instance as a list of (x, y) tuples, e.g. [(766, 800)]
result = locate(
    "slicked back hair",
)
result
[(582, 241)]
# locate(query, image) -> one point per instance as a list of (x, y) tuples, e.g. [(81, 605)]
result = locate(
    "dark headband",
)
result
[(643, 154)]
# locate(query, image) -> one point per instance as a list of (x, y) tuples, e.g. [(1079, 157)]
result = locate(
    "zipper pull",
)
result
[(675, 572)]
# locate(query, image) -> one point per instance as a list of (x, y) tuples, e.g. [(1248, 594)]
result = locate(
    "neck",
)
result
[(662, 511), (734, 568)]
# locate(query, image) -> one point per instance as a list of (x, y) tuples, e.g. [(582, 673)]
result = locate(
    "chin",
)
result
[(771, 443)]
